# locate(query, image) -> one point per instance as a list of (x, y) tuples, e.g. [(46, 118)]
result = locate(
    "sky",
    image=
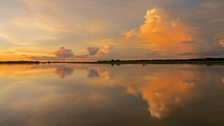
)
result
[(110, 29)]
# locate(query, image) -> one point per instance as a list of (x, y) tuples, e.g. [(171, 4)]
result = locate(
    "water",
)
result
[(105, 95)]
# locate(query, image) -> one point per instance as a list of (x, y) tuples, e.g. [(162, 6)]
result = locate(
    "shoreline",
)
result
[(206, 61)]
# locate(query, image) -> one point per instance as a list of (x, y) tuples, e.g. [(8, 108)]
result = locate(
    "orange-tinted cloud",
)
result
[(164, 92), (105, 49), (163, 95), (163, 32), (130, 33), (221, 42)]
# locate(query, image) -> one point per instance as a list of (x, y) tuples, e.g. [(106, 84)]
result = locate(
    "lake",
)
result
[(106, 95)]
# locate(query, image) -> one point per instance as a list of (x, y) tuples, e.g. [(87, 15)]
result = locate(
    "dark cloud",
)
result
[(64, 53), (61, 54), (93, 50)]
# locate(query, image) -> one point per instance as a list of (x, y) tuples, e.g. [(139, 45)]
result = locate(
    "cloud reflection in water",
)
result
[(102, 94)]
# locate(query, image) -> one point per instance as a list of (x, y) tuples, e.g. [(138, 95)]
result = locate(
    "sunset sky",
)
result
[(106, 29)]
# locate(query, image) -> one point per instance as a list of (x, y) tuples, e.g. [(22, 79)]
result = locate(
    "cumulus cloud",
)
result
[(94, 51), (62, 53), (163, 32)]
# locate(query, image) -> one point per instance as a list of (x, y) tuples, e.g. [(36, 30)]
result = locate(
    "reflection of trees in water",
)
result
[(64, 71), (93, 74)]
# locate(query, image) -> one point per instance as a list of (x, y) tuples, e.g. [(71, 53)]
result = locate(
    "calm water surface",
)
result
[(105, 95)]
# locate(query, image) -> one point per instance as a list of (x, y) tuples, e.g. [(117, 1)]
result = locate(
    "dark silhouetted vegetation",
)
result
[(19, 62), (208, 61)]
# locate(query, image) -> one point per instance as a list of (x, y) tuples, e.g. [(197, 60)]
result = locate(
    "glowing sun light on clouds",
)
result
[(163, 32), (221, 42)]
